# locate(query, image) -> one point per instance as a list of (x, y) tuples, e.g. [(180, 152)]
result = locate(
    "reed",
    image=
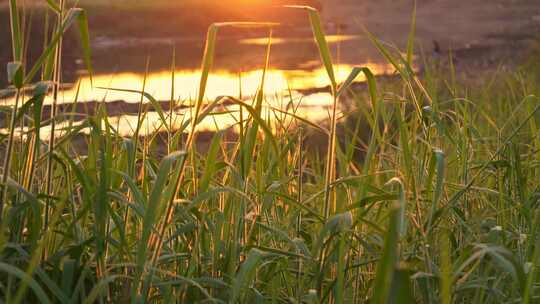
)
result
[(427, 192)]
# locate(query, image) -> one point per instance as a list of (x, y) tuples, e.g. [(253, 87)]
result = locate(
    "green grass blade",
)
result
[(54, 6), (246, 273), (33, 284), (82, 21), (384, 274), (16, 35), (211, 161), (445, 273), (436, 166), (320, 39), (72, 15), (15, 73), (412, 37), (372, 86)]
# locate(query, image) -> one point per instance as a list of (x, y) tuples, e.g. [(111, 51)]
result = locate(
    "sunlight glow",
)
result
[(281, 86)]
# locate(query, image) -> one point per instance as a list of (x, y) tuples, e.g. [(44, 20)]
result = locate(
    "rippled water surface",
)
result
[(295, 78)]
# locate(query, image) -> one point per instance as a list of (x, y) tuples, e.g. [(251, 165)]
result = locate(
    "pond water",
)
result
[(295, 78)]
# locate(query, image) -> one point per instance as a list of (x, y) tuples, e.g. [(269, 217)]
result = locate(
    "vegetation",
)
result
[(438, 204)]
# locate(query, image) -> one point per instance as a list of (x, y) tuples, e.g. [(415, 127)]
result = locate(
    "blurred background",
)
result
[(125, 32)]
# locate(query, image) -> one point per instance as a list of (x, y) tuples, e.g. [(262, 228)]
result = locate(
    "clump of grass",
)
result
[(442, 207)]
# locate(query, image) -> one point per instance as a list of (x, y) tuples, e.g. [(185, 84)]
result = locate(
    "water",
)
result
[(295, 79)]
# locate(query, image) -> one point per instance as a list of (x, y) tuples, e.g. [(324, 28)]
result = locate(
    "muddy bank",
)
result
[(125, 33)]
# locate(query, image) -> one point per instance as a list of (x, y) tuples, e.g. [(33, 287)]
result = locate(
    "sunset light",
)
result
[(270, 151)]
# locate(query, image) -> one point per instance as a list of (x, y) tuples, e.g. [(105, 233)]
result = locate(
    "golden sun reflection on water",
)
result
[(280, 87), (220, 83), (276, 40)]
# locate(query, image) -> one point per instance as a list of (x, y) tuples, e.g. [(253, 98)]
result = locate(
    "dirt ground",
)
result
[(480, 30), (459, 23)]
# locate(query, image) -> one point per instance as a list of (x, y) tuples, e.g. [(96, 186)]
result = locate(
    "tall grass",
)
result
[(435, 200)]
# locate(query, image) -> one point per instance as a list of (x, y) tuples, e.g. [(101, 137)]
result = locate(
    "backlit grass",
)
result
[(428, 191)]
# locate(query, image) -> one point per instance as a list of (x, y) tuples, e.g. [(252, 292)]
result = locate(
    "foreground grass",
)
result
[(438, 204)]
